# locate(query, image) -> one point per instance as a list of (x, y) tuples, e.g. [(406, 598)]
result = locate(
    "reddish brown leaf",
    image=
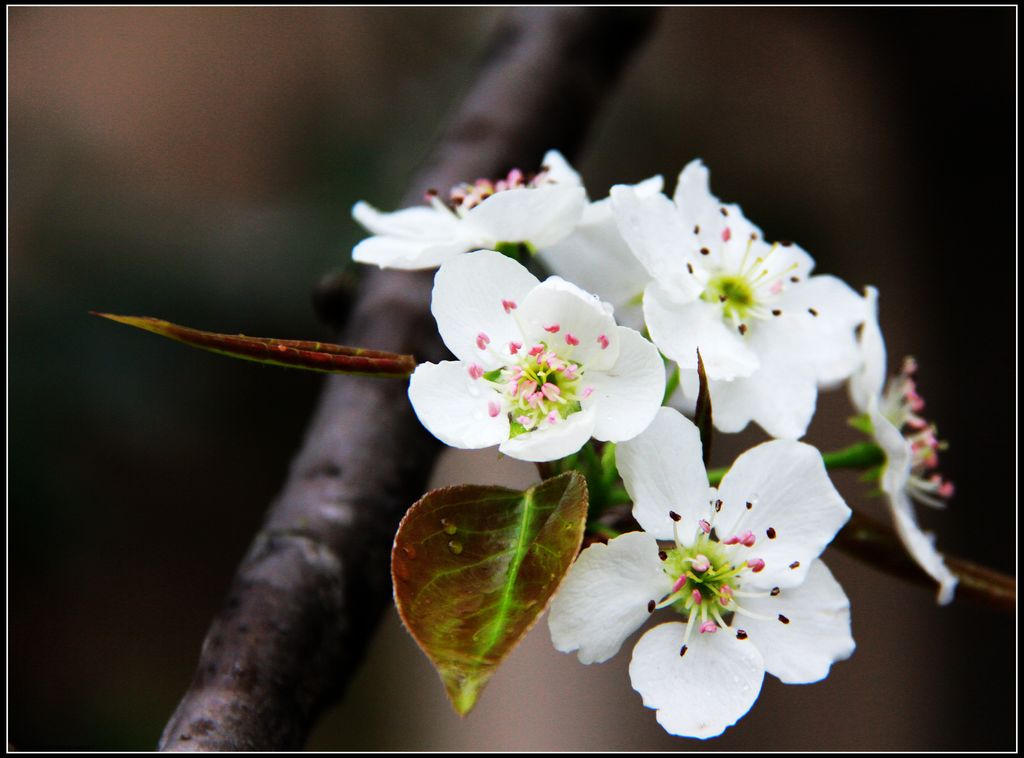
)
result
[(474, 567), (310, 356)]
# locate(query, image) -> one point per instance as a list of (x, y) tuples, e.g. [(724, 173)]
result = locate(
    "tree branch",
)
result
[(311, 590), (867, 540)]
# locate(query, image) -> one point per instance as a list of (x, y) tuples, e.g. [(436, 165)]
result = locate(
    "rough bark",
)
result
[(310, 591)]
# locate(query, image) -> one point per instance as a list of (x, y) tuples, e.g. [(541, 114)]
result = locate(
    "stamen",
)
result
[(514, 347), (602, 340), (570, 339), (771, 533), (475, 371), (700, 564), (482, 341), (755, 564), (708, 627), (650, 606), (783, 619), (493, 409), (553, 328)]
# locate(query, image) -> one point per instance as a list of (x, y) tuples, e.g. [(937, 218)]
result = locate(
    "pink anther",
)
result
[(482, 341), (571, 339), (475, 371)]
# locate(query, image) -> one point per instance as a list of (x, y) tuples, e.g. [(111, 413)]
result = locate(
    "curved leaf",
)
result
[(475, 566), (310, 356), (702, 413)]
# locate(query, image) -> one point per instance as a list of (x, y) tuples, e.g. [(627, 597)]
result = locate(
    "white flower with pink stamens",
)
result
[(542, 367), (535, 211), (770, 334), (911, 446), (738, 564)]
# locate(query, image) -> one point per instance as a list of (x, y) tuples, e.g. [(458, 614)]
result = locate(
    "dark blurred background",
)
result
[(199, 164)]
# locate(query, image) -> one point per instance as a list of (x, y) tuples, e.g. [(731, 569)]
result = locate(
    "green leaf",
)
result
[(310, 356), (475, 566), (702, 414)]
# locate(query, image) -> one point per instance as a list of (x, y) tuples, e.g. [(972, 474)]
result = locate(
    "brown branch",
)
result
[(867, 540), (309, 593)]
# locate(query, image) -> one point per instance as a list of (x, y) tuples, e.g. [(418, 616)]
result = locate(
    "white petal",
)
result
[(395, 252), (817, 328), (658, 238), (817, 633), (467, 301), (791, 497), (869, 378), (549, 442), (779, 397), (894, 482), (663, 471), (605, 596), (454, 407), (559, 171), (596, 258), (724, 235), (679, 330), (628, 395), (700, 693), (561, 304), (420, 222), (541, 216)]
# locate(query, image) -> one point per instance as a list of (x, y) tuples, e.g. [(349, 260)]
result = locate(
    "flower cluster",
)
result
[(542, 367)]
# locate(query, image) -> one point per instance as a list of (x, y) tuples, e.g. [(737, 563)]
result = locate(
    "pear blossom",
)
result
[(910, 443), (597, 258), (738, 566), (534, 211), (542, 367), (769, 333)]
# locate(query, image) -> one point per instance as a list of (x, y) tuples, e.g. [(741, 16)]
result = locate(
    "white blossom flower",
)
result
[(911, 446), (533, 211), (542, 367), (769, 333), (597, 258), (738, 564)]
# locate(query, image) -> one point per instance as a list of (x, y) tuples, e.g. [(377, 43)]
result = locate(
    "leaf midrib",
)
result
[(505, 603)]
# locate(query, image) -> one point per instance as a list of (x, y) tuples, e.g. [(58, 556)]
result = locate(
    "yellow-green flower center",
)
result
[(733, 292)]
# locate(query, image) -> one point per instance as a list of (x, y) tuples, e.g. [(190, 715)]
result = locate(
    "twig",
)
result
[(310, 592), (869, 541)]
